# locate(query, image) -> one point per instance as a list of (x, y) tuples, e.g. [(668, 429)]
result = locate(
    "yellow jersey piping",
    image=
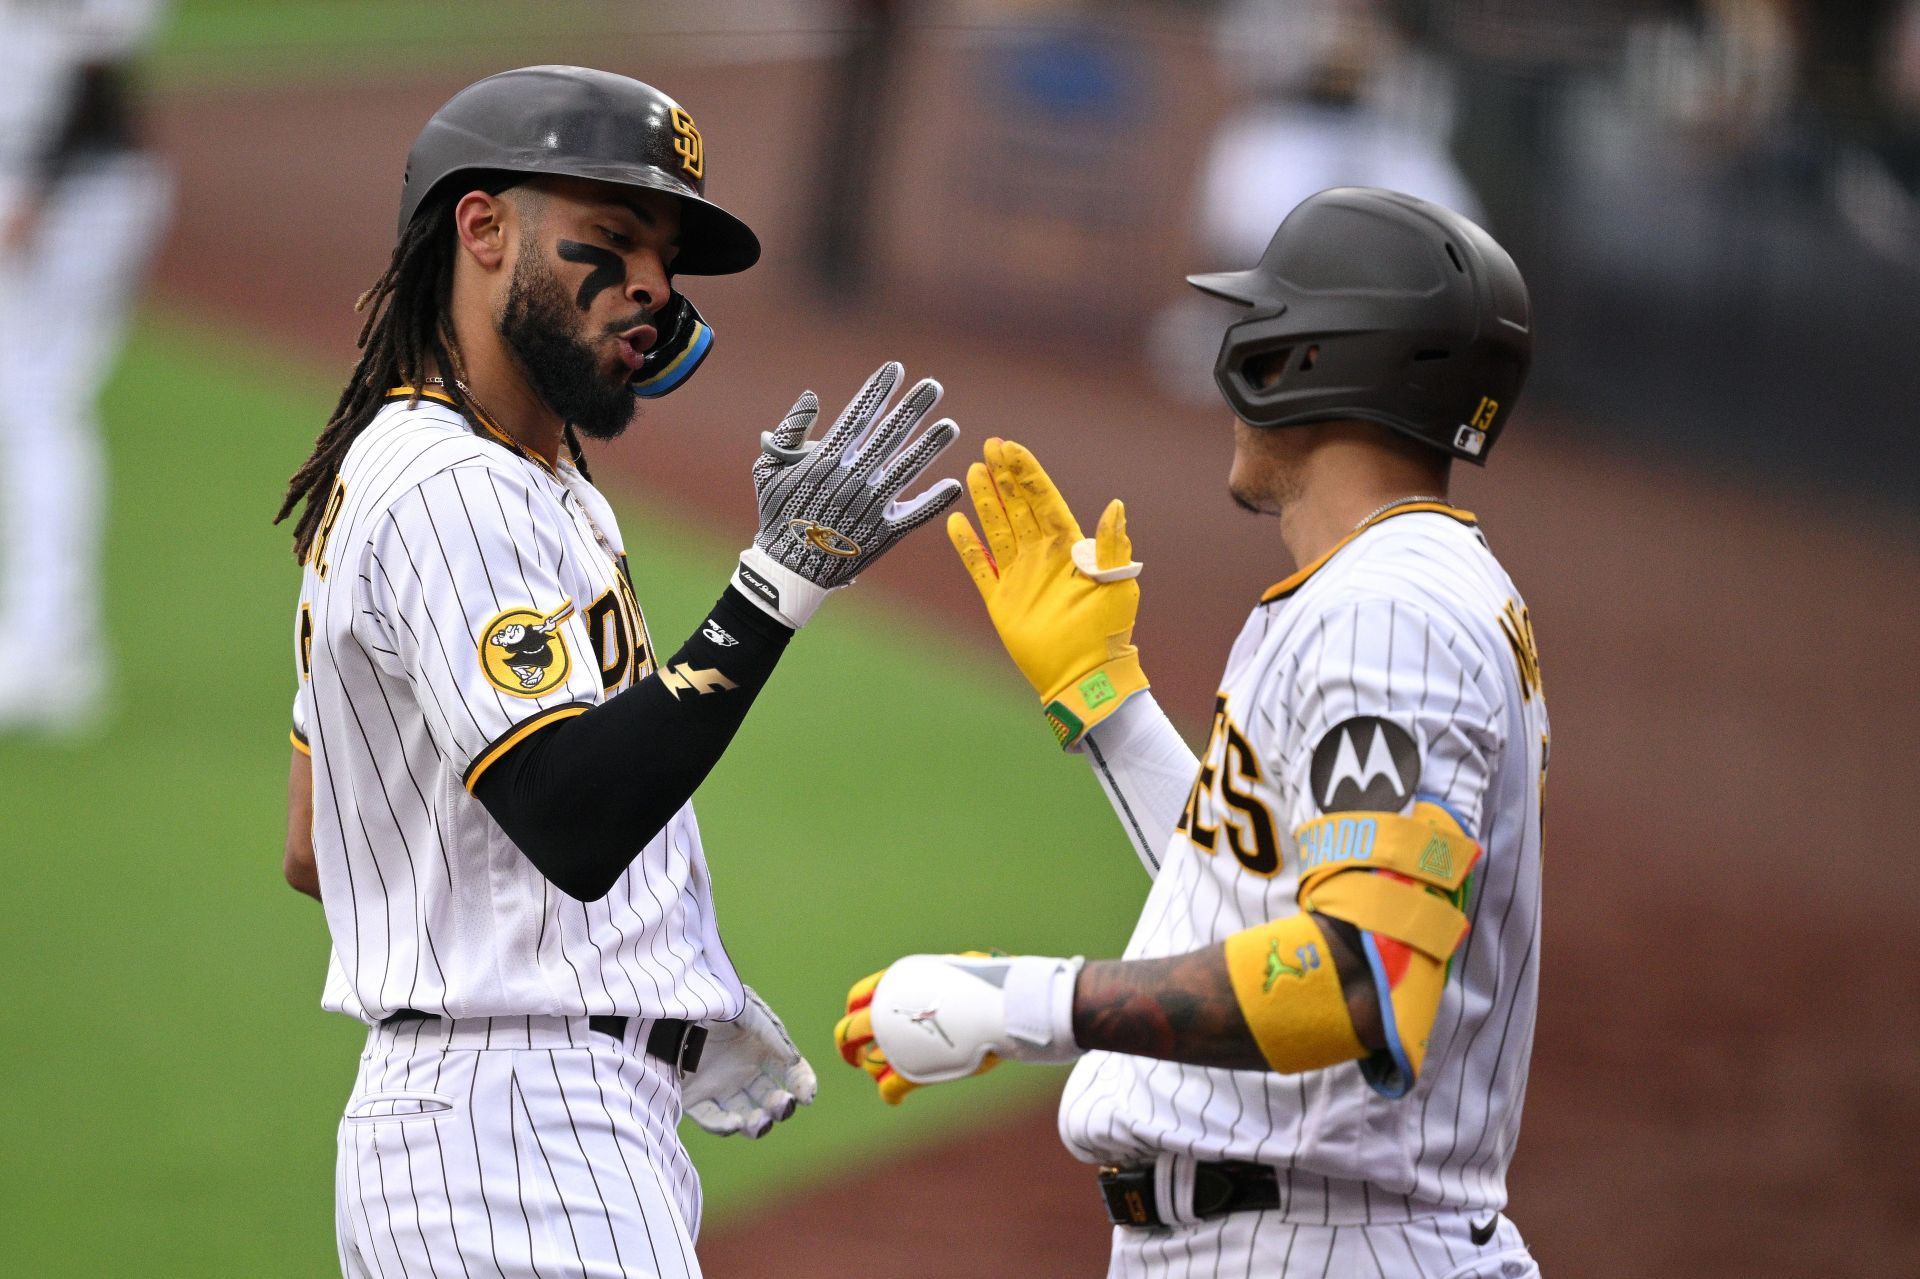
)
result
[(408, 392), (1287, 586), (517, 734)]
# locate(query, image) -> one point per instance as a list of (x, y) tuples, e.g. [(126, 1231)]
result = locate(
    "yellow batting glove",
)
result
[(1064, 604)]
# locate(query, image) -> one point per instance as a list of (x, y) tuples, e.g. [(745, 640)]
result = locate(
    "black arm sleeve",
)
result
[(582, 796)]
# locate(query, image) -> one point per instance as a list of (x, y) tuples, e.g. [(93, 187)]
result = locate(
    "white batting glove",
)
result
[(750, 1077), (936, 1017)]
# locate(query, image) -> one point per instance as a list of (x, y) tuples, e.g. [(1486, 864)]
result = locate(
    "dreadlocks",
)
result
[(406, 328), (407, 335)]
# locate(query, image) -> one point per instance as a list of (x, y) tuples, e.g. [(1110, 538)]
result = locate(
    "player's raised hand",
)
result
[(832, 506), (1064, 604)]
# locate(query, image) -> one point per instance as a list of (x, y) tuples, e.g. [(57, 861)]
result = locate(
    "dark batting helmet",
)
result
[(581, 123), (1376, 306)]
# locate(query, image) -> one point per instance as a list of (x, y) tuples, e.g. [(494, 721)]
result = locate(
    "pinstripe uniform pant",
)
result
[(514, 1146), (1327, 1230)]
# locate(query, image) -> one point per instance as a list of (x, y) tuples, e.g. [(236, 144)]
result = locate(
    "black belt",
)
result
[(1218, 1189), (678, 1043)]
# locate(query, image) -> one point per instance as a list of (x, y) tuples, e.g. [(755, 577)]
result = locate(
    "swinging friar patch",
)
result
[(524, 652)]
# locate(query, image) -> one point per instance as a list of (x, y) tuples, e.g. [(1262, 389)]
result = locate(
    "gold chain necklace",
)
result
[(1378, 511), (606, 543)]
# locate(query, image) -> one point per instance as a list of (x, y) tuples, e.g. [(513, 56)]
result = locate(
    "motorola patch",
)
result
[(1364, 764)]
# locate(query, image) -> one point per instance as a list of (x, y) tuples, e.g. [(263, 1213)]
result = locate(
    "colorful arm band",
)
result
[(1289, 991), (1408, 905)]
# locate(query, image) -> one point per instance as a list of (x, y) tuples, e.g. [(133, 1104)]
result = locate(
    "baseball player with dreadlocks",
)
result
[(1312, 1058), (489, 791)]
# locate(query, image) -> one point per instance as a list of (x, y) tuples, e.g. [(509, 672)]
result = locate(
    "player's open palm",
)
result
[(830, 507), (1064, 604)]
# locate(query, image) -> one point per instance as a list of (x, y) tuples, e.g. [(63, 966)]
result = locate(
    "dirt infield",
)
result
[(1721, 1083)]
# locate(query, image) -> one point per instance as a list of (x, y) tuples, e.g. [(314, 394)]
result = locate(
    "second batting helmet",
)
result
[(1377, 306), (578, 122)]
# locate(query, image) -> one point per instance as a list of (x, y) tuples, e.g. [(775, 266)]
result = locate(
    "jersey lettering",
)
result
[(329, 516), (1244, 817), (1517, 625), (1204, 836), (1251, 835), (306, 640), (612, 639)]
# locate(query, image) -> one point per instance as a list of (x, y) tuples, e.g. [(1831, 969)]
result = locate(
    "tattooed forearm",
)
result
[(1183, 1008), (1178, 1009)]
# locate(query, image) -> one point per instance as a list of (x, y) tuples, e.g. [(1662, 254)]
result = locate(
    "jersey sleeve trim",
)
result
[(300, 743), (514, 736), (1287, 586)]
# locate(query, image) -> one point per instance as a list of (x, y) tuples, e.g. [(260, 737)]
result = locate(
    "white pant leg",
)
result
[(65, 300), (1247, 1245), (550, 1161)]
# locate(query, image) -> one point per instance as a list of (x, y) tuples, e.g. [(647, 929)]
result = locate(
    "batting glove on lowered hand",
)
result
[(930, 1019), (751, 1076), (830, 507), (1064, 604)]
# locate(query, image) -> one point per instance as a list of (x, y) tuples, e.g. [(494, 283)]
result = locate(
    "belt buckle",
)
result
[(1129, 1196), (693, 1042)]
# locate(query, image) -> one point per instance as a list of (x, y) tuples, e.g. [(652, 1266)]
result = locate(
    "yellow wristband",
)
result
[(1289, 991)]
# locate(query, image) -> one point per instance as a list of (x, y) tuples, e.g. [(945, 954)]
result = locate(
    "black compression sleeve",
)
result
[(582, 796)]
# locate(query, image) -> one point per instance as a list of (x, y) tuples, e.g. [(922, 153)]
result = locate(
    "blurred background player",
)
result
[(82, 205), (1332, 93)]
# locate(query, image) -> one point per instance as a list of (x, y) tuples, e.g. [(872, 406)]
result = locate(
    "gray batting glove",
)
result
[(830, 507), (750, 1076)]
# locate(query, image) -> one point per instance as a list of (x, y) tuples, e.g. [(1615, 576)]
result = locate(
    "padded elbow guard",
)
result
[(1401, 881)]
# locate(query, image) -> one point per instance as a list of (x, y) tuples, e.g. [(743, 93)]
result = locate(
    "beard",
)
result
[(540, 327)]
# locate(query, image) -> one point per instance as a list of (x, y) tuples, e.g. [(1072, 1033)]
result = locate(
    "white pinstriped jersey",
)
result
[(460, 595), (1408, 627)]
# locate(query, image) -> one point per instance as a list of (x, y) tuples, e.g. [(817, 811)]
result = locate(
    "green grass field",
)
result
[(173, 1083), (287, 41)]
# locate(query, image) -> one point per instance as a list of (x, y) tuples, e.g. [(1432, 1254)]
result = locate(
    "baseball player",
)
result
[(82, 205), (495, 809), (1312, 1058)]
